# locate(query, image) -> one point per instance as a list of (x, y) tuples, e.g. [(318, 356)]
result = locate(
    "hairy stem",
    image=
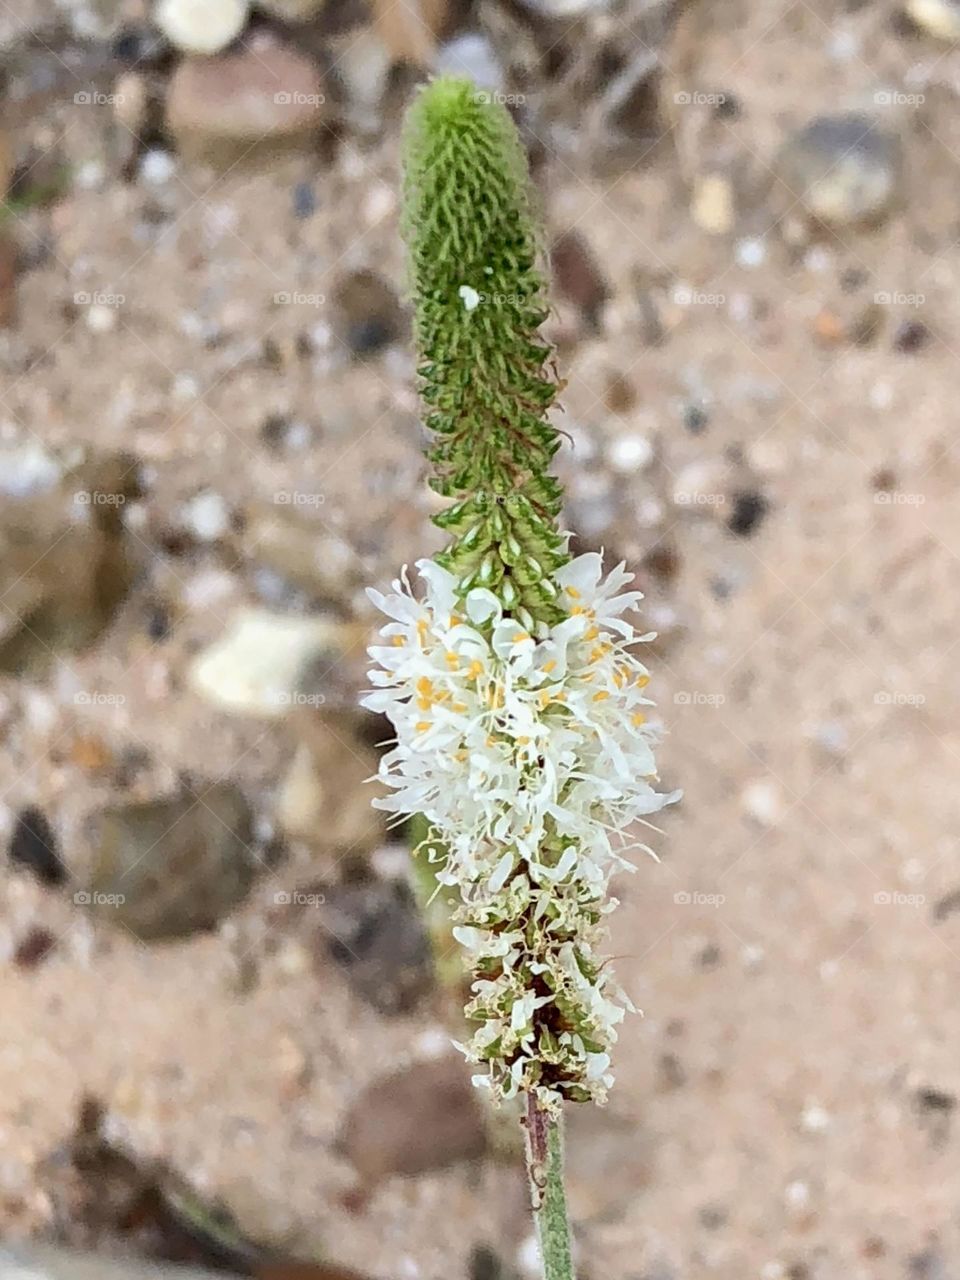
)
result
[(545, 1169)]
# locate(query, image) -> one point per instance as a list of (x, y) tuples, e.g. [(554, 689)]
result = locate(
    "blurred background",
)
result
[(226, 1010)]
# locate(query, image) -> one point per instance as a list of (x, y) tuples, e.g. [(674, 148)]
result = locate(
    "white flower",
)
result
[(529, 752)]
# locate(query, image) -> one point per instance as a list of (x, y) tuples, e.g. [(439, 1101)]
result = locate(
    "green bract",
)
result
[(479, 303)]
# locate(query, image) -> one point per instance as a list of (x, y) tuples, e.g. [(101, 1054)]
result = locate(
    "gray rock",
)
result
[(377, 936), (845, 169), (168, 868)]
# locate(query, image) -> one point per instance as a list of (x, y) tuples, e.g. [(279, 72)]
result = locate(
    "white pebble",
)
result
[(206, 516), (751, 252), (797, 1195), (157, 167), (629, 453), (101, 319), (201, 28), (814, 1119), (763, 802)]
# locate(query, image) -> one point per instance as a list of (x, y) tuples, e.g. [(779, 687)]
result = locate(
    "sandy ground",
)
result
[(785, 1106)]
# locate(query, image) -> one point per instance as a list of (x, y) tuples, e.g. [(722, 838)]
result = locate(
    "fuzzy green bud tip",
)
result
[(479, 303)]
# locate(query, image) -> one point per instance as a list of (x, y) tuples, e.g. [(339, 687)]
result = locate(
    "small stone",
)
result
[(751, 252), (410, 30), (32, 950), (225, 106), (34, 847), (577, 276), (157, 167), (377, 936), (424, 1117), (131, 102), (763, 802), (815, 1119), (749, 508), (845, 169), (325, 797), (172, 867), (911, 336), (628, 454), (101, 319), (205, 516), (940, 18), (471, 55), (368, 315), (712, 205), (201, 28), (258, 665)]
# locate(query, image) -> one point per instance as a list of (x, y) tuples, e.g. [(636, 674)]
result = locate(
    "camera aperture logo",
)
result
[(93, 898), (893, 898)]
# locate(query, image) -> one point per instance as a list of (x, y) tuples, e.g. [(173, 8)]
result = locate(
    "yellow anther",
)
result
[(520, 637), (591, 634), (458, 706), (601, 695), (639, 718), (573, 593), (476, 669), (549, 666), (453, 661), (642, 681), (423, 726), (398, 641)]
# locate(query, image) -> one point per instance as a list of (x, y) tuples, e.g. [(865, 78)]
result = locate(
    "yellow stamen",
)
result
[(453, 661), (591, 634), (476, 669), (398, 641), (458, 706), (599, 697), (573, 592), (522, 742), (423, 726), (549, 666), (639, 718), (520, 637), (642, 681)]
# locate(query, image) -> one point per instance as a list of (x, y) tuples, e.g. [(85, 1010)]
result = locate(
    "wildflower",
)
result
[(527, 748)]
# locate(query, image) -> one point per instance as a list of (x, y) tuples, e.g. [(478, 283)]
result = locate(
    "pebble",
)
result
[(911, 336), (845, 169), (157, 166), (423, 1117), (751, 252), (940, 18), (577, 276), (367, 313), (763, 801), (628, 454), (712, 204), (33, 949), (205, 516), (201, 28), (815, 1119), (258, 665), (471, 55), (749, 508), (35, 848), (325, 797), (171, 867), (375, 933), (229, 103)]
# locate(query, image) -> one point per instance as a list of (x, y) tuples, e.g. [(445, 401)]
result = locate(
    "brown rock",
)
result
[(578, 276), (410, 30), (235, 102), (423, 1117)]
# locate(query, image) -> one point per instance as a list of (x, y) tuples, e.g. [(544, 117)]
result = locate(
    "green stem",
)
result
[(545, 1169)]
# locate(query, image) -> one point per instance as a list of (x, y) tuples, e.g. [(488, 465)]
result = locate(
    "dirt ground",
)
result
[(786, 1106)]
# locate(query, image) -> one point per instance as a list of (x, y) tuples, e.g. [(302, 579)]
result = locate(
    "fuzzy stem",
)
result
[(545, 1170)]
